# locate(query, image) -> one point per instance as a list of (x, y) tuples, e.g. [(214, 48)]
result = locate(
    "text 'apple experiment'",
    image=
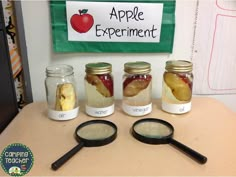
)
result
[(126, 16)]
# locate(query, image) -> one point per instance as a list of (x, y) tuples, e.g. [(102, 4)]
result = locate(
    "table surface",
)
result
[(209, 128)]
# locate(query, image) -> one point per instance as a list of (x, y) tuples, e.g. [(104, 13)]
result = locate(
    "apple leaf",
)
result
[(84, 11)]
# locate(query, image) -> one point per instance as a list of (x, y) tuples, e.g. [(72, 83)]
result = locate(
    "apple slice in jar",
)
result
[(103, 83), (65, 97), (181, 88), (134, 84)]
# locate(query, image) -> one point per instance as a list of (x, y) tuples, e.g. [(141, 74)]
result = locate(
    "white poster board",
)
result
[(214, 47)]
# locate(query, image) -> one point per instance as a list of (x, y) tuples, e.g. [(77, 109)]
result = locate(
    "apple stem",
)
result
[(80, 11)]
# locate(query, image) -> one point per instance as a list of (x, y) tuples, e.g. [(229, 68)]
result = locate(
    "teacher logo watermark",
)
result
[(16, 159)]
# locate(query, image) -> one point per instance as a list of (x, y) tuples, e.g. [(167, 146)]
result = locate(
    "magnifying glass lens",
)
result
[(96, 131), (152, 129)]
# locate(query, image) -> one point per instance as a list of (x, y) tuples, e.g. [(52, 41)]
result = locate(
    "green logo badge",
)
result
[(16, 159)]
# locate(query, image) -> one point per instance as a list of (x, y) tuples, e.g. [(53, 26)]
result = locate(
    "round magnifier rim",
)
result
[(152, 140), (99, 142)]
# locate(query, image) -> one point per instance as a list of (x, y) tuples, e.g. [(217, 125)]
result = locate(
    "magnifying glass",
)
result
[(157, 131), (89, 134)]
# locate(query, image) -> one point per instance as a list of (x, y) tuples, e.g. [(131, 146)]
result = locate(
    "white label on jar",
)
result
[(63, 115), (137, 110), (176, 108), (100, 112)]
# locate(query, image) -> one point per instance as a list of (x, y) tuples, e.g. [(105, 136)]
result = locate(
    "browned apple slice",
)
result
[(133, 85), (178, 86), (103, 83)]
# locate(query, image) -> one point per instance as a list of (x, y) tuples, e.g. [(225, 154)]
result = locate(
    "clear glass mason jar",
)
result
[(137, 88), (61, 92), (99, 89), (177, 87)]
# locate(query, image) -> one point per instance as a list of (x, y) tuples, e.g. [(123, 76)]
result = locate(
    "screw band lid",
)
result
[(98, 68), (179, 66), (138, 67)]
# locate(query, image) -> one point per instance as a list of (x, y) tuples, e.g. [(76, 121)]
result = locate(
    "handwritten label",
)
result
[(176, 108), (137, 110), (63, 115), (114, 21), (100, 112)]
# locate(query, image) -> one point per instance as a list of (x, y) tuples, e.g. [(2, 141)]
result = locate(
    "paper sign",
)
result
[(129, 26), (114, 21)]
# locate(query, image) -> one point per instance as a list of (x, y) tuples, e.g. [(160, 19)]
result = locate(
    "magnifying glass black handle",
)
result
[(57, 164), (195, 155)]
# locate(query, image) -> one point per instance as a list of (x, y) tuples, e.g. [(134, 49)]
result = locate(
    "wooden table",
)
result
[(209, 128)]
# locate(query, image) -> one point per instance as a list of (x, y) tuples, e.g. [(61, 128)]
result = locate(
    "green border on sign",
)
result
[(60, 36)]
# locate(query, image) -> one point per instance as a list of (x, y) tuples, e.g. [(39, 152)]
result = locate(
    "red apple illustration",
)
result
[(82, 22)]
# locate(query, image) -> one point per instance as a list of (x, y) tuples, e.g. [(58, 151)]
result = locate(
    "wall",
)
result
[(36, 16)]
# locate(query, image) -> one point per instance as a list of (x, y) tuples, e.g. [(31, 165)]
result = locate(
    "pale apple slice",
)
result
[(103, 83), (133, 85), (65, 97), (178, 86)]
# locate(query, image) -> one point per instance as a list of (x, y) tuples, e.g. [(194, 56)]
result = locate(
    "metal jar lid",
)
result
[(179, 66), (98, 68), (138, 67)]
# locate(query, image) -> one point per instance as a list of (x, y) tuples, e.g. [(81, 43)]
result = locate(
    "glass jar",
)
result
[(177, 87), (61, 92), (137, 88), (99, 89)]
